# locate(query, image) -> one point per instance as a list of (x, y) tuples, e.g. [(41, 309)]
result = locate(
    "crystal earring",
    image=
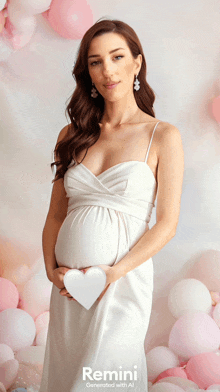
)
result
[(94, 93), (136, 84)]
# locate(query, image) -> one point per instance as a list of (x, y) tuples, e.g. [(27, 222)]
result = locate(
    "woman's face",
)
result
[(107, 65)]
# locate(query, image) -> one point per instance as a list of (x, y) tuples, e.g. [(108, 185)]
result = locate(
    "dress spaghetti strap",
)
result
[(151, 142)]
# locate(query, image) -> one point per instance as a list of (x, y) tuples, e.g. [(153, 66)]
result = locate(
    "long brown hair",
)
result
[(85, 113)]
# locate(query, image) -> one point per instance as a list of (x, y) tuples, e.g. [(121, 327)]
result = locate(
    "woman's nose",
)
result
[(108, 68)]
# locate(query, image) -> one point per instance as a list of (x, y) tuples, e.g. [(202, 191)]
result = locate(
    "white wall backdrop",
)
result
[(181, 46)]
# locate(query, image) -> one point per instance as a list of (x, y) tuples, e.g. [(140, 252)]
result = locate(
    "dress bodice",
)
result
[(129, 187)]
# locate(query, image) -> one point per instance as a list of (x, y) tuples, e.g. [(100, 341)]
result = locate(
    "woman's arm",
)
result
[(170, 179), (55, 217)]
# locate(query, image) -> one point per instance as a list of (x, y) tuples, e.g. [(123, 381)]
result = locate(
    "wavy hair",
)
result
[(85, 113)]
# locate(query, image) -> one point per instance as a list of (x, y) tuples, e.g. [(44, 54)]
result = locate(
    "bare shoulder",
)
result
[(166, 129), (63, 133), (168, 137)]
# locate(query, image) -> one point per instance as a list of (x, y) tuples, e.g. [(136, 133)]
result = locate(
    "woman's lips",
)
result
[(111, 86)]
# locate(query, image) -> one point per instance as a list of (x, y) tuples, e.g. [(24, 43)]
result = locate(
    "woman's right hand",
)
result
[(57, 275)]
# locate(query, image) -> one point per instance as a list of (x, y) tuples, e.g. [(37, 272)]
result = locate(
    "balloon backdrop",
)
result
[(18, 21)]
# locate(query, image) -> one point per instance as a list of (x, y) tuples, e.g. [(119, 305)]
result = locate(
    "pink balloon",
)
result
[(204, 369), (71, 19), (9, 295), (216, 108), (194, 333), (175, 372)]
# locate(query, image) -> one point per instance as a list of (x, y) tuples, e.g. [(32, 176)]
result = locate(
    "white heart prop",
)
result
[(85, 288)]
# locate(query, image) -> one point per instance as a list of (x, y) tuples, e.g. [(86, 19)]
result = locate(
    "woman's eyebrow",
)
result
[(111, 51)]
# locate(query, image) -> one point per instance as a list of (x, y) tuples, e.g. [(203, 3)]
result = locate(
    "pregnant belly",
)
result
[(87, 237)]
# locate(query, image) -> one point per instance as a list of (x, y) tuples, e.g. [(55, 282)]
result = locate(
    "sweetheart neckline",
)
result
[(117, 164)]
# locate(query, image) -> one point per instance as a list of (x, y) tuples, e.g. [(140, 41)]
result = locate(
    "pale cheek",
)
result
[(128, 70)]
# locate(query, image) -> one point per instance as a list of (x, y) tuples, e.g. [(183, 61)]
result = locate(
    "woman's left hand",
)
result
[(109, 279)]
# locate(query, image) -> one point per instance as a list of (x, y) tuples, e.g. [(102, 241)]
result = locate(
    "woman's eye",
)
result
[(95, 62)]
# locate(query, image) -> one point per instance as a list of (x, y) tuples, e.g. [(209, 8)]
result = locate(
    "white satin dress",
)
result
[(107, 214)]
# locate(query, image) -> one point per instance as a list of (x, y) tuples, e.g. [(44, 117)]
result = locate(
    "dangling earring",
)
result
[(136, 84), (94, 93)]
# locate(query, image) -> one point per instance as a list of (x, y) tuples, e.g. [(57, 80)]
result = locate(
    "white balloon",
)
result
[(2, 4), (17, 328), (32, 7), (23, 23), (183, 383), (159, 359), (6, 353), (189, 295)]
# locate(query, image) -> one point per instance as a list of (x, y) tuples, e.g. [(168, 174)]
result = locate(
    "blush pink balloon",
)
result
[(216, 108), (9, 295), (204, 369), (194, 333), (175, 372), (70, 19)]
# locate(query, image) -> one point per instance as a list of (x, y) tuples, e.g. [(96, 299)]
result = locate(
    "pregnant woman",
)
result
[(112, 161)]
